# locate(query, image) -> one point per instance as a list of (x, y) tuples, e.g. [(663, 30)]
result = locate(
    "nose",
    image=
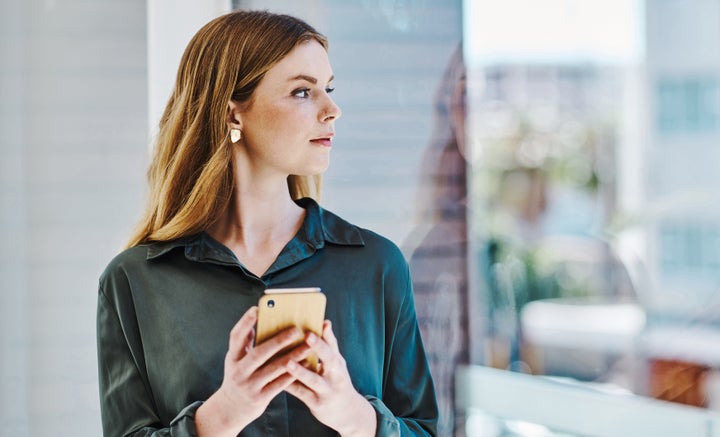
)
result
[(331, 111)]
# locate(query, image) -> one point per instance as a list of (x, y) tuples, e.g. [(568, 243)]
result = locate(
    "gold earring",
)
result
[(235, 135)]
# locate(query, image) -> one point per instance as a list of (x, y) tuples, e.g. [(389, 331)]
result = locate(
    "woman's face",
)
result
[(288, 125)]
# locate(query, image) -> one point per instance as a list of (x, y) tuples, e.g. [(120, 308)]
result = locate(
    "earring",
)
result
[(235, 135)]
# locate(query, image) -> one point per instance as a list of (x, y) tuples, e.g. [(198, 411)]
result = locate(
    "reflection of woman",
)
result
[(443, 169), (249, 125), (439, 260)]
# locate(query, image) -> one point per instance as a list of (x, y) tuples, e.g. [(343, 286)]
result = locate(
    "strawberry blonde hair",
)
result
[(191, 174)]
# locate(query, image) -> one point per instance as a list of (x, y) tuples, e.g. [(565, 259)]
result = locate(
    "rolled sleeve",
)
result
[(387, 424)]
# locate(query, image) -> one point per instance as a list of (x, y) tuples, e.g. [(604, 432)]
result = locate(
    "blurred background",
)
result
[(547, 166)]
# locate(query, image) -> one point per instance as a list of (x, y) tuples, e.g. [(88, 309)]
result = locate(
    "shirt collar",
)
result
[(322, 226), (319, 227)]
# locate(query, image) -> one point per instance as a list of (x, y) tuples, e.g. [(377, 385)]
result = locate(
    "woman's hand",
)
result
[(329, 394), (253, 376)]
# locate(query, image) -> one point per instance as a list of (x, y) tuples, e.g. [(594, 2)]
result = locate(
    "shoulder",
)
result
[(134, 263), (120, 267), (376, 256), (138, 258), (382, 246), (340, 231), (127, 259)]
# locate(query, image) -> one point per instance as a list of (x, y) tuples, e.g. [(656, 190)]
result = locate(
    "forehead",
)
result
[(307, 59)]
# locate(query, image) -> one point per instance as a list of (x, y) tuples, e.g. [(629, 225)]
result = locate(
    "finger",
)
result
[(272, 379), (266, 362), (277, 385), (240, 333), (311, 380), (276, 366), (249, 341), (265, 378), (268, 349), (324, 351), (298, 353), (302, 392), (329, 336)]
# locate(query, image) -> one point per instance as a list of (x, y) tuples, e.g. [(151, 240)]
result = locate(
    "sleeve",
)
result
[(126, 404), (408, 406)]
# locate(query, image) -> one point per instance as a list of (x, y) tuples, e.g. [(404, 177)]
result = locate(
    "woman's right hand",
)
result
[(253, 376)]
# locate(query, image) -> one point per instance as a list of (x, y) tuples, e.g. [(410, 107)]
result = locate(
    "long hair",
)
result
[(191, 174), (443, 189)]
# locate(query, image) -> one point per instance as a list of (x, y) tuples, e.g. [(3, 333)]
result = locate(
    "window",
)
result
[(689, 247), (689, 105)]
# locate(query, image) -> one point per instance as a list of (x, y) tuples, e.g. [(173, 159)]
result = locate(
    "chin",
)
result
[(316, 169)]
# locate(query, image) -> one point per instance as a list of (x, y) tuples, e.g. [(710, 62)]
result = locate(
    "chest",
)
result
[(185, 318)]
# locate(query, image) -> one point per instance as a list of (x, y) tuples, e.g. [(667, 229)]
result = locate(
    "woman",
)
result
[(246, 133)]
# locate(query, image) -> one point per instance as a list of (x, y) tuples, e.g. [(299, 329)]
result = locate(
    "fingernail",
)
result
[(311, 339), (291, 365)]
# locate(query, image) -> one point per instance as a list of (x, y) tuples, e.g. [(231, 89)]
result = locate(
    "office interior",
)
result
[(548, 167)]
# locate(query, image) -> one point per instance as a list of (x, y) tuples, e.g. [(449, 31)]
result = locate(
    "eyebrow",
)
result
[(310, 79)]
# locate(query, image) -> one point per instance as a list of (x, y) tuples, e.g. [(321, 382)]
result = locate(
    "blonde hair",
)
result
[(191, 174)]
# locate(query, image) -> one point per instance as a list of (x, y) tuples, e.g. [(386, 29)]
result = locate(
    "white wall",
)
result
[(171, 24), (73, 149), (13, 271)]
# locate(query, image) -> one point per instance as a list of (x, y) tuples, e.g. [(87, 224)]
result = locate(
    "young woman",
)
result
[(243, 140)]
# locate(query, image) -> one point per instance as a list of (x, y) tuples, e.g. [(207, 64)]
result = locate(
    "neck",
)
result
[(256, 218), (259, 220)]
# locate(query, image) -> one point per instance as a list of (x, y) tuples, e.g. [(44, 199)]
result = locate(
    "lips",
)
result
[(324, 141)]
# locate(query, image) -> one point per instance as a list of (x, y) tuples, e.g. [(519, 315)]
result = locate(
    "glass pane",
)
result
[(593, 198)]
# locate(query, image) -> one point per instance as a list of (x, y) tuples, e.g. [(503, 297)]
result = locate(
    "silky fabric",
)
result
[(165, 311)]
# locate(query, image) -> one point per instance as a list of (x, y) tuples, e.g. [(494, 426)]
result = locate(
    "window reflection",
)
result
[(438, 258), (592, 194)]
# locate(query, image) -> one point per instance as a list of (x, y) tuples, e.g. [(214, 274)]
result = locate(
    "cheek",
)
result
[(282, 123)]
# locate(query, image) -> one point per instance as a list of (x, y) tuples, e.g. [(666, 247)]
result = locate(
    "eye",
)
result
[(302, 93), (329, 90)]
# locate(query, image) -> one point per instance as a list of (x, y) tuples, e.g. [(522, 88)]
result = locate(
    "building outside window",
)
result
[(688, 105)]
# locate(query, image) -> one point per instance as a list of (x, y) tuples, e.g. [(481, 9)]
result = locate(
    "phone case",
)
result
[(281, 309)]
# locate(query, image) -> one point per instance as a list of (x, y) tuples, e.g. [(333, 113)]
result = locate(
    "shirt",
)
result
[(165, 311)]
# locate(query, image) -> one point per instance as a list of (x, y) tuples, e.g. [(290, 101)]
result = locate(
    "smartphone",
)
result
[(282, 308)]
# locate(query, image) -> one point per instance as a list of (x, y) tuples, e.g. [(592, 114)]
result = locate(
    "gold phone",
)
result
[(282, 308)]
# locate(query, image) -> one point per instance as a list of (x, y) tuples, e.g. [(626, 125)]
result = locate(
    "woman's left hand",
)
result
[(329, 394)]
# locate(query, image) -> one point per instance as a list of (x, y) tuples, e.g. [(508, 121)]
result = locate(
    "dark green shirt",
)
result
[(165, 311)]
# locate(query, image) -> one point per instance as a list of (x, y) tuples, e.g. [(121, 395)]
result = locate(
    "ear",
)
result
[(233, 116)]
